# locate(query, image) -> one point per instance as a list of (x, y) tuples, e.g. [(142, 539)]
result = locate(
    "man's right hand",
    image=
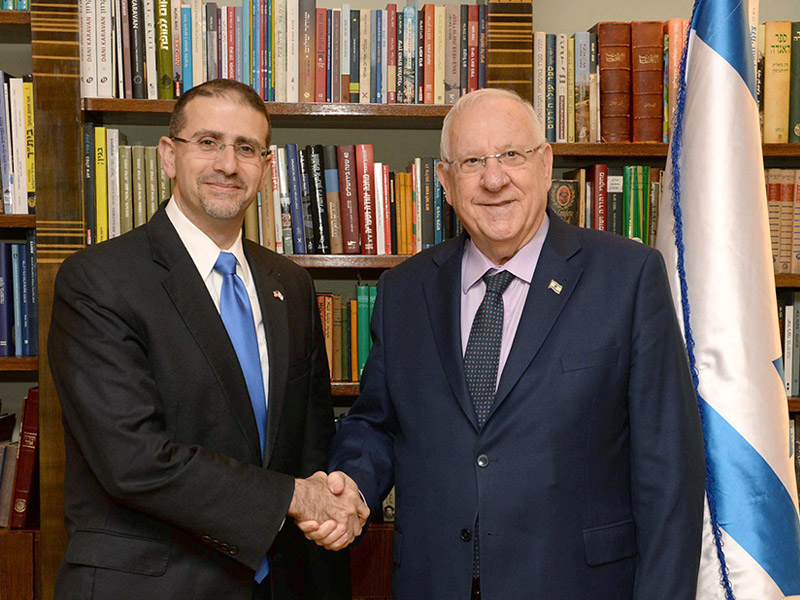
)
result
[(328, 509)]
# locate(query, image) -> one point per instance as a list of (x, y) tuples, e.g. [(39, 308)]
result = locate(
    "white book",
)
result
[(88, 48), (417, 172), (788, 346), (285, 201), (540, 74), (6, 160), (222, 32), (380, 226), (384, 74), (280, 51), (119, 70), (19, 168), (439, 33), (198, 61), (105, 44), (151, 73), (276, 199), (204, 48), (365, 42), (292, 51), (561, 87), (345, 47), (112, 183), (177, 32), (795, 268)]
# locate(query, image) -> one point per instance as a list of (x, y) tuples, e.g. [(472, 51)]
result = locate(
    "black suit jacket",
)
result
[(166, 493)]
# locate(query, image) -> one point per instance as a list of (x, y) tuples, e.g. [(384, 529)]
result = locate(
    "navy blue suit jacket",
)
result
[(593, 487)]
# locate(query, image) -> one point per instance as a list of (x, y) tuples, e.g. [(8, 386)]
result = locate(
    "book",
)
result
[(101, 184), (598, 175), (614, 61), (6, 301), (362, 297), (647, 80), (113, 182), (333, 200), (285, 200), (582, 121), (151, 169), (30, 145), (19, 183), (306, 202), (295, 192), (33, 294), (306, 64), (778, 51), (364, 167), (164, 71), (125, 189), (7, 482), (355, 56), (89, 217), (550, 87), (138, 186), (563, 200), (794, 85), (320, 218), (28, 445), (452, 84), (336, 357), (539, 73), (355, 372)]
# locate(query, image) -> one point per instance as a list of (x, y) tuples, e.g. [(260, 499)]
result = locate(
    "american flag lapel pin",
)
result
[(555, 286), (277, 294)]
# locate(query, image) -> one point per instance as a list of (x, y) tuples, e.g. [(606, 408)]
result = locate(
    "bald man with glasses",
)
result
[(191, 370), (528, 395)]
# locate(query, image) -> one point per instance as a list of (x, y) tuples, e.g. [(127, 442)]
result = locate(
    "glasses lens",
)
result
[(514, 158)]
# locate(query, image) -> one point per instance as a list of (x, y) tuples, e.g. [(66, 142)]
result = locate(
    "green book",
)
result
[(794, 86), (138, 186), (151, 177), (373, 293), (164, 188), (362, 298), (636, 192), (164, 49), (125, 189)]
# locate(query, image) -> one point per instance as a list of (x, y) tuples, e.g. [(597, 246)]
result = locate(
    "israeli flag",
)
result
[(714, 235)]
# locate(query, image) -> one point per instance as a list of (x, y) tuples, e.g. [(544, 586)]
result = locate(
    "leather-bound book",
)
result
[(614, 58), (647, 74)]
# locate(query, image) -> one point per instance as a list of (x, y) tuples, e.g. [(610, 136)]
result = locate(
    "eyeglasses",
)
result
[(211, 148), (510, 159)]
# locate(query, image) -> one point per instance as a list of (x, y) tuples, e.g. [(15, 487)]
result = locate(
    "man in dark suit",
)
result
[(527, 394), (192, 375)]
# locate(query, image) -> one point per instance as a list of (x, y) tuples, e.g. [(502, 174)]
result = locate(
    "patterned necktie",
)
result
[(482, 356), (237, 315), (481, 361)]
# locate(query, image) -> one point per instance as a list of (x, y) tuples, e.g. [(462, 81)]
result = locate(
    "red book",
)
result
[(472, 46), (428, 15), (598, 175), (647, 80), (391, 54), (365, 171), (322, 54), (28, 444), (231, 50), (348, 199)]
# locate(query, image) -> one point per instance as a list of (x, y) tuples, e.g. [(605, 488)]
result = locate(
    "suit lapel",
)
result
[(443, 299), (190, 296), (276, 328), (543, 304)]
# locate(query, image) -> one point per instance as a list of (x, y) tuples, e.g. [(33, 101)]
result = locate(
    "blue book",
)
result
[(239, 44), (16, 287), (186, 47), (6, 301), (22, 5), (329, 56), (255, 50), (247, 35), (33, 302), (269, 84), (24, 299), (7, 5), (438, 207), (550, 88), (482, 46), (295, 194)]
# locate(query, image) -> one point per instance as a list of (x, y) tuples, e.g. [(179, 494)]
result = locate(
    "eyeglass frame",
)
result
[(457, 163), (261, 157)]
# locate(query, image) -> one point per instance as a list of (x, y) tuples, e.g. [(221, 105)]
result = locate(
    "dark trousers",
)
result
[(263, 590), (476, 588)]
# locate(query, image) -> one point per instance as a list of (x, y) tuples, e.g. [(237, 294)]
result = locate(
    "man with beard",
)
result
[(191, 370)]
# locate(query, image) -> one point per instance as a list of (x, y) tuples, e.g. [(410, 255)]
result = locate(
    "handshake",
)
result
[(328, 509)]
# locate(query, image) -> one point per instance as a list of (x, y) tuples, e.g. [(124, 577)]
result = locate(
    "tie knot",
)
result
[(226, 263), (498, 282)]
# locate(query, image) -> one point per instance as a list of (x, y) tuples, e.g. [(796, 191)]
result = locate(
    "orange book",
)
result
[(674, 30), (353, 340)]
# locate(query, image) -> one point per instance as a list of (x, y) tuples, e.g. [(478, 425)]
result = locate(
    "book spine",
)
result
[(271, 229), (307, 201), (614, 61), (647, 60), (5, 148), (346, 45), (335, 51), (561, 89), (149, 41), (19, 169), (331, 172), (6, 301), (777, 81), (28, 444), (348, 200), (321, 64), (409, 54), (794, 86), (428, 12), (306, 48), (151, 178), (355, 56), (176, 45), (392, 54), (88, 48), (380, 224), (428, 226), (472, 45), (186, 48), (366, 199), (16, 295), (33, 295), (105, 81), (354, 371), (125, 189), (101, 184), (540, 76), (550, 87), (138, 186), (285, 199), (295, 190), (439, 53), (164, 50), (362, 297), (292, 51), (112, 176), (322, 234)]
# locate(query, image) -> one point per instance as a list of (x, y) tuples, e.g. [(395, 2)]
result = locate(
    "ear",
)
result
[(166, 149), (444, 172), (267, 169), (547, 166)]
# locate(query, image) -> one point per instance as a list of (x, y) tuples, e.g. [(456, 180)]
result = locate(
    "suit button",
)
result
[(466, 535), (206, 539), (234, 550), (483, 461), (215, 543), (224, 547)]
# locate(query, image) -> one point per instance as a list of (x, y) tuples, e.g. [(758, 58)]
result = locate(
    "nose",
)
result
[(226, 160), (494, 176)]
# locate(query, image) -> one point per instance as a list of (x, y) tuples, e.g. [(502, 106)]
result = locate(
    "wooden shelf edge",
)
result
[(15, 17), (17, 221), (787, 280), (347, 261), (344, 388), (19, 363), (794, 404)]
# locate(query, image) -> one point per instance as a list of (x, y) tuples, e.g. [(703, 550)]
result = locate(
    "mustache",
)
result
[(235, 180)]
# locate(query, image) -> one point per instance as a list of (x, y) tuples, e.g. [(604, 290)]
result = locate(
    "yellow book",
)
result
[(100, 184), (778, 51), (251, 222), (27, 90)]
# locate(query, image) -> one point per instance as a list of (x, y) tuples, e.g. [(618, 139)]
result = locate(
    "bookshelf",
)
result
[(49, 36)]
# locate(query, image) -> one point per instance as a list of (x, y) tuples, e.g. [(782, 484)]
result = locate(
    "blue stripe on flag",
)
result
[(753, 505), (723, 28), (778, 364)]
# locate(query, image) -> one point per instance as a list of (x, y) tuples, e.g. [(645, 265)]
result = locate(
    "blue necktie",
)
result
[(481, 361), (237, 315)]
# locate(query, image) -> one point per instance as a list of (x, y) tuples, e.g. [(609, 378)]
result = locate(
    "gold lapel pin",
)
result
[(277, 294), (555, 286)]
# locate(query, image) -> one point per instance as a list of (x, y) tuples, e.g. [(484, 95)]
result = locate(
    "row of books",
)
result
[(14, 5), (616, 82), (778, 81), (623, 200), (345, 324), (794, 438), (19, 315), (17, 171), (287, 50), (783, 203), (17, 463)]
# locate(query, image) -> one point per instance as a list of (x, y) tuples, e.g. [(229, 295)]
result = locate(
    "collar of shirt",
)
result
[(522, 264), (201, 248)]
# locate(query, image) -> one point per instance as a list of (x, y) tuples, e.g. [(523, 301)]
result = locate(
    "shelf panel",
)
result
[(19, 363), (347, 261), (344, 388), (18, 221), (15, 26), (787, 280), (794, 404)]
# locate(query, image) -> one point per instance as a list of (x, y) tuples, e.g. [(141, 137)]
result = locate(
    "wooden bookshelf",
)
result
[(347, 261), (17, 221), (787, 280), (18, 567), (345, 388), (15, 27), (19, 364), (794, 404)]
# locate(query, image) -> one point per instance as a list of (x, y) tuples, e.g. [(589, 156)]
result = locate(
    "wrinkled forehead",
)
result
[(493, 125)]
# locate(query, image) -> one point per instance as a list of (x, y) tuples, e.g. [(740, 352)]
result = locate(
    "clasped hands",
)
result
[(328, 509)]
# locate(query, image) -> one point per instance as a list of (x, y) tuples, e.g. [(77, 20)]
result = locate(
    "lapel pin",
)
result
[(277, 294), (555, 286)]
